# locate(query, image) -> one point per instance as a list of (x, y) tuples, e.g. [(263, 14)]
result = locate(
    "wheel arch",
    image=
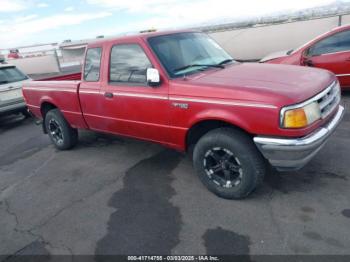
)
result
[(203, 126), (45, 107)]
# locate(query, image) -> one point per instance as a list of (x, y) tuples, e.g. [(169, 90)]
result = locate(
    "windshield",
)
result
[(11, 75), (187, 53)]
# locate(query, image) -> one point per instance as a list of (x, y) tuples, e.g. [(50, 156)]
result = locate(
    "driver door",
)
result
[(131, 106)]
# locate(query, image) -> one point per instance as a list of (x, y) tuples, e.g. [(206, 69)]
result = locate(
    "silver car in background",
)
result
[(11, 98)]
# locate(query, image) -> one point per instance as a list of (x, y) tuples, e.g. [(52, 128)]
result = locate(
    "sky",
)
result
[(26, 22)]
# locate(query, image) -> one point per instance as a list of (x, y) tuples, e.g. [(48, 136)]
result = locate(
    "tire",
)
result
[(228, 163), (62, 135)]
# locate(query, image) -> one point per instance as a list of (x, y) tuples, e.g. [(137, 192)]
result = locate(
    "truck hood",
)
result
[(274, 56), (264, 82)]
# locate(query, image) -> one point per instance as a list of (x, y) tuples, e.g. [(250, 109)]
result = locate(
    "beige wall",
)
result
[(346, 19), (37, 65), (70, 55), (255, 43), (249, 43)]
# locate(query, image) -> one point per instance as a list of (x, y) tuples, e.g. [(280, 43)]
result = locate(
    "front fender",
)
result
[(227, 116)]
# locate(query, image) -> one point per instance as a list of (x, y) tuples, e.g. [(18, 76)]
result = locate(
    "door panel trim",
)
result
[(343, 74), (161, 97), (333, 53), (221, 102)]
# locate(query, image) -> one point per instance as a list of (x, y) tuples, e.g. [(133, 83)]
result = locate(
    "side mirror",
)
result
[(308, 52), (306, 60), (153, 77)]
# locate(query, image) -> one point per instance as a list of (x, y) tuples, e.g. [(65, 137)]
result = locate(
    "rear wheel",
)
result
[(228, 163), (62, 135)]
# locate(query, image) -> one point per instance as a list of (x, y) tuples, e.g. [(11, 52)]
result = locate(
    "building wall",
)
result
[(72, 54), (346, 19), (257, 42), (37, 65), (71, 57)]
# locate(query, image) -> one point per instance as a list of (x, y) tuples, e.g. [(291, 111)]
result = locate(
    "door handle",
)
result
[(108, 95)]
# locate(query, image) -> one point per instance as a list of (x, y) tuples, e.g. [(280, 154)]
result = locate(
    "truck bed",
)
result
[(71, 76), (47, 93)]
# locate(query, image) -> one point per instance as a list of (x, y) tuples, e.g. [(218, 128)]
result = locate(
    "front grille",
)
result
[(329, 99)]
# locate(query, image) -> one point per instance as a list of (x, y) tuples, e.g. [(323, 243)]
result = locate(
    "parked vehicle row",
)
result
[(182, 90), (329, 51)]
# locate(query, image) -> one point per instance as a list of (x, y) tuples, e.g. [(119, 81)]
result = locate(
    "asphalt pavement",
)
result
[(112, 195)]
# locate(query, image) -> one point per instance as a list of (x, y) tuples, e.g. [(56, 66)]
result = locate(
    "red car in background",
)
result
[(329, 51), (14, 54)]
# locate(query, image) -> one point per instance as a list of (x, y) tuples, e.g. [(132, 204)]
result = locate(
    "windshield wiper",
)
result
[(226, 61), (197, 65), (3, 82)]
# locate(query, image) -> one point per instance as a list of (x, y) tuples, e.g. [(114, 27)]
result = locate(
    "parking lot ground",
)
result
[(111, 195)]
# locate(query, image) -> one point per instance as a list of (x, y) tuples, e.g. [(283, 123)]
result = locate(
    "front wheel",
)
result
[(228, 163), (62, 135)]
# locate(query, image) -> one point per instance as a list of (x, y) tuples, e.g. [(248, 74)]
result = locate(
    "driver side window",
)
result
[(128, 64), (338, 42)]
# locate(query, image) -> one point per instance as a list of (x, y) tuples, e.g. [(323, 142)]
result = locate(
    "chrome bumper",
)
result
[(293, 154)]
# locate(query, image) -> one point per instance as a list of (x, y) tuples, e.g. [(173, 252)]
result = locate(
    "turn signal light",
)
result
[(295, 118)]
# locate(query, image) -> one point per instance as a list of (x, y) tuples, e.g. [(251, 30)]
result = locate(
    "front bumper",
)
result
[(293, 154)]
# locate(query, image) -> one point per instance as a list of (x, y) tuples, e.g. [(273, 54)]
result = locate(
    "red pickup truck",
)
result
[(182, 90)]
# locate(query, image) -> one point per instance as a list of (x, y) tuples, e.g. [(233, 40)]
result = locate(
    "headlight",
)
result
[(299, 117)]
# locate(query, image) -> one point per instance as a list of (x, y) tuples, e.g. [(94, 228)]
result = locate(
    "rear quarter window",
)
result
[(92, 64)]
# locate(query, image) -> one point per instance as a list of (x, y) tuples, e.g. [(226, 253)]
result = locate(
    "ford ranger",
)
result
[(182, 90)]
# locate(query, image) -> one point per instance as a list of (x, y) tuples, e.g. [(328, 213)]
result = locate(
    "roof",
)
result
[(138, 35)]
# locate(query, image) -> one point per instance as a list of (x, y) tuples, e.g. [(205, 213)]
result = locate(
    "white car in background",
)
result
[(11, 98)]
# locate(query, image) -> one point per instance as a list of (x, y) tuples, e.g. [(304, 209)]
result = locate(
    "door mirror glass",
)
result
[(153, 77)]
